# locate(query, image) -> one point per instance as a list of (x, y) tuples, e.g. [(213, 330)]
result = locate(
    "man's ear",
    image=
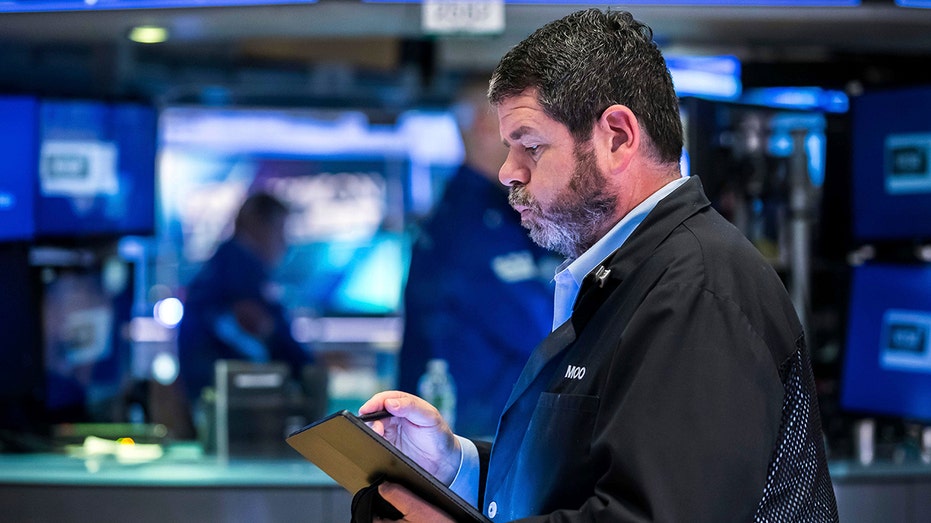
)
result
[(620, 132)]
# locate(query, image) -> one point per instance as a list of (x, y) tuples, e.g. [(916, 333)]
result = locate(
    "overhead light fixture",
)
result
[(148, 34)]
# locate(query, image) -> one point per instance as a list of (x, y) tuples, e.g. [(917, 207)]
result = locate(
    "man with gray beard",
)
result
[(676, 384)]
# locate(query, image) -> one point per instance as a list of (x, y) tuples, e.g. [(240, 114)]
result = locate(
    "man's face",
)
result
[(556, 185)]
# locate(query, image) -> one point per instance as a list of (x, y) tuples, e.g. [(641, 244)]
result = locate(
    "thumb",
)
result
[(415, 510), (401, 498), (414, 410)]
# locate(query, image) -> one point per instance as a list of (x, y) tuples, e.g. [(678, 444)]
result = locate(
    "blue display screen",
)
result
[(96, 172), (887, 363), (348, 182), (347, 250), (103, 5), (18, 148), (85, 354), (730, 3), (892, 165), (924, 4)]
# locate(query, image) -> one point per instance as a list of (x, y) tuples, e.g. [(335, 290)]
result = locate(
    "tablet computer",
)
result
[(355, 456)]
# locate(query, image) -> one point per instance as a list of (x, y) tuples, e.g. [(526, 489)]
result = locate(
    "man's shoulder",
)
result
[(707, 253)]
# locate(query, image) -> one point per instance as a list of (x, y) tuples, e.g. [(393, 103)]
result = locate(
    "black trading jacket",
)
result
[(680, 390)]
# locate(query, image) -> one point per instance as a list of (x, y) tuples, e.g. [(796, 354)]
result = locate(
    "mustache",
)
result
[(518, 196)]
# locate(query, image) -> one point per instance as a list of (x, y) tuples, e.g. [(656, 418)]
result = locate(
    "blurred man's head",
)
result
[(478, 124), (260, 225)]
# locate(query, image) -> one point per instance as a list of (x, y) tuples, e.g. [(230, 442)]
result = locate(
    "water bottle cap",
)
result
[(437, 365)]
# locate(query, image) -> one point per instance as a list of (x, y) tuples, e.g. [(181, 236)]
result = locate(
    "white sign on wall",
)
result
[(463, 16)]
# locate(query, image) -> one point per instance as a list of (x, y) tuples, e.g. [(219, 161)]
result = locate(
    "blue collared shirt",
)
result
[(570, 274)]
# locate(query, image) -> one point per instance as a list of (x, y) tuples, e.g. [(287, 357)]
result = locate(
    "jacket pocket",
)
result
[(567, 402), (554, 467)]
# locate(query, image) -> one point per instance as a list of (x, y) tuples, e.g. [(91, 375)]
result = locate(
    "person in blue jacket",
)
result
[(231, 309), (479, 293), (676, 385)]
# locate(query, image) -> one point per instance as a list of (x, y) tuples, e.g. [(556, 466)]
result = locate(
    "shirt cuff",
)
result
[(465, 484)]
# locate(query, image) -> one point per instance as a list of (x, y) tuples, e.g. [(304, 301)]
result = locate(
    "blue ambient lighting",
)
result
[(706, 76), (28, 6), (803, 98)]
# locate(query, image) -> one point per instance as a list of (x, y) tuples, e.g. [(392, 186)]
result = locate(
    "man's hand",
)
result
[(417, 429), (415, 510), (253, 318)]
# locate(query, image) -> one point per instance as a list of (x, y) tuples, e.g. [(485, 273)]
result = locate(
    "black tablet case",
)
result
[(354, 455)]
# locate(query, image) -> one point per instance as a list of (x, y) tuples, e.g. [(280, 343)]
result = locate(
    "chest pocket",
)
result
[(564, 422), (554, 463), (567, 403)]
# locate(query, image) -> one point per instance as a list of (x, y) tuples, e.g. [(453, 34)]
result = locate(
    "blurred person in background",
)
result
[(232, 309), (479, 293)]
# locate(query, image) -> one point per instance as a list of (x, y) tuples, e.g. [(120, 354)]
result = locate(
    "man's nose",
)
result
[(512, 173)]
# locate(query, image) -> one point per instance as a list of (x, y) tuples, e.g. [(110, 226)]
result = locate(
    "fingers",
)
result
[(377, 402), (399, 497), (403, 405), (414, 509)]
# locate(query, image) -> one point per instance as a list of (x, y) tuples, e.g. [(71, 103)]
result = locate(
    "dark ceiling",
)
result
[(338, 50)]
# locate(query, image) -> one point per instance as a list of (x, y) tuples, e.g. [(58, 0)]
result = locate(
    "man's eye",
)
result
[(532, 150)]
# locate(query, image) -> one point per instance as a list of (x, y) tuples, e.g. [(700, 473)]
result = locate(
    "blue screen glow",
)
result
[(892, 165), (103, 5), (715, 77), (887, 364), (17, 181), (735, 3), (346, 181), (802, 98), (924, 4), (96, 169)]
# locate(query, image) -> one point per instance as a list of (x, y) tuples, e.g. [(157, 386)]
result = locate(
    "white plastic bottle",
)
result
[(438, 388)]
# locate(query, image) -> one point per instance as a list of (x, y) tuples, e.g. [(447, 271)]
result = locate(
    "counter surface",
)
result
[(186, 486), (186, 466), (179, 467)]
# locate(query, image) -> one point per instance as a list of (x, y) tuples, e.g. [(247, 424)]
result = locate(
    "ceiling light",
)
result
[(148, 34)]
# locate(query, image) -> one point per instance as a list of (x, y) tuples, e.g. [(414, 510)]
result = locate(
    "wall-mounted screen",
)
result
[(347, 252), (349, 183), (84, 309), (19, 151), (892, 165), (15, 6), (96, 169), (887, 361)]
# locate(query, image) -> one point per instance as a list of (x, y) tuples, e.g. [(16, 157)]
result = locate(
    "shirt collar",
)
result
[(618, 234)]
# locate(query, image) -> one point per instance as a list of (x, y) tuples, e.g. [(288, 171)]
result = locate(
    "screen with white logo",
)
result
[(887, 362)]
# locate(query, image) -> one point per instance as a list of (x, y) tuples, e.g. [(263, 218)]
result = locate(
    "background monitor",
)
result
[(96, 172), (887, 362), (351, 185), (84, 311), (19, 151), (30, 6), (892, 165)]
